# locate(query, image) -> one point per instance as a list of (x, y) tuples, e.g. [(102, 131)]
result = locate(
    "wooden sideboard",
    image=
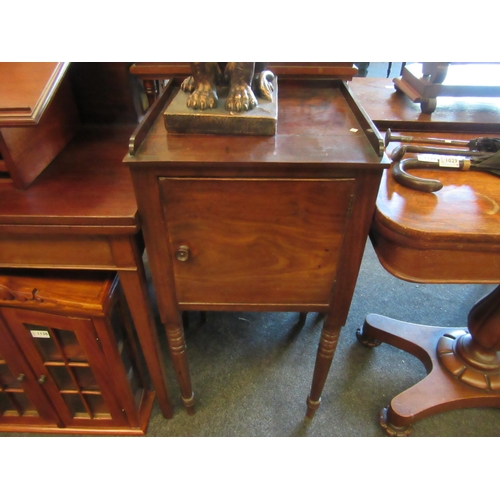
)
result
[(79, 212), (259, 223)]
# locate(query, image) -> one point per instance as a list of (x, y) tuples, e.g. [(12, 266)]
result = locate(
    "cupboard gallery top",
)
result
[(276, 223)]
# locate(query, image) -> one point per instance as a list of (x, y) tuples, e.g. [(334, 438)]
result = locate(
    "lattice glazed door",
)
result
[(21, 401), (69, 364)]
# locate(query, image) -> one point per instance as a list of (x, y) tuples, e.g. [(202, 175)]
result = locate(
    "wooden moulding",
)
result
[(38, 117), (166, 70)]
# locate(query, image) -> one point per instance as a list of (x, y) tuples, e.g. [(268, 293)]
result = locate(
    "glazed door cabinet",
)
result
[(64, 372), (68, 364), (20, 395)]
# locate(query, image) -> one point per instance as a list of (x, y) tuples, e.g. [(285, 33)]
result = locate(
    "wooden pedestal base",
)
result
[(462, 364)]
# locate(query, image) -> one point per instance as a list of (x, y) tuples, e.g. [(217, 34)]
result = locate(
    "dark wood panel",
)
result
[(85, 185), (256, 241), (158, 70), (105, 92), (56, 251)]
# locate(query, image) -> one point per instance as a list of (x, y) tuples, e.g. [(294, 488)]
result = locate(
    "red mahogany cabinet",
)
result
[(69, 358), (249, 223)]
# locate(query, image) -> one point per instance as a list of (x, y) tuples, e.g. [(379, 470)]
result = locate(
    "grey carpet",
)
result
[(251, 372)]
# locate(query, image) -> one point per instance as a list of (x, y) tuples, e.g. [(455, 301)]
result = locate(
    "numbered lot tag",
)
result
[(441, 160), (449, 161), (40, 334)]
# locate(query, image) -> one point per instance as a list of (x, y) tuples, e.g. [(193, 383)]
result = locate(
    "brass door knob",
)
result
[(21, 377), (42, 379), (182, 253)]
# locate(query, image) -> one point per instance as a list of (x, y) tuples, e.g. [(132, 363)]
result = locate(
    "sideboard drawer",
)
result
[(52, 250), (255, 241)]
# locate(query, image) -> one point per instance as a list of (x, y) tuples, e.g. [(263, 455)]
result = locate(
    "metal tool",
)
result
[(479, 144), (398, 153)]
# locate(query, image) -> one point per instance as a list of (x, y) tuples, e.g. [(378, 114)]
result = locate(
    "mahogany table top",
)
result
[(465, 210), (86, 186), (449, 236), (391, 109), (317, 125)]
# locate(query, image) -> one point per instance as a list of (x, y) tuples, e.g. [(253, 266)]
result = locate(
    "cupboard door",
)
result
[(69, 364), (255, 241), (21, 401)]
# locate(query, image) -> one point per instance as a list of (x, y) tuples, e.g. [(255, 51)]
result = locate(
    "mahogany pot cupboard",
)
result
[(251, 223)]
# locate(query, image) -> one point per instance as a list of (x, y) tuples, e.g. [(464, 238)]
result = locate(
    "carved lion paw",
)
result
[(240, 98), (203, 97), (188, 84)]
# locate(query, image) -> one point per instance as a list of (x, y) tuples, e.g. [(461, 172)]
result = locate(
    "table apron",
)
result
[(62, 252)]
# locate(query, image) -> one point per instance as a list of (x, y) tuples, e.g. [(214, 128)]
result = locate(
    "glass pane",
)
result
[(62, 378), (52, 343), (132, 358), (42, 338), (75, 405), (15, 404), (7, 380), (5, 404), (85, 378), (69, 343), (97, 406), (132, 375), (117, 324)]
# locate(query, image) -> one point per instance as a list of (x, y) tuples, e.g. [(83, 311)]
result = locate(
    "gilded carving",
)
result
[(243, 78)]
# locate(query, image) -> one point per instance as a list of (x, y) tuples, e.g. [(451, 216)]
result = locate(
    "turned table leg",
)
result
[(327, 345), (463, 364), (177, 346)]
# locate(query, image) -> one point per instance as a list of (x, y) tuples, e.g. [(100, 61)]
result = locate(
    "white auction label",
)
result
[(428, 157), (449, 161), (40, 334), (441, 160)]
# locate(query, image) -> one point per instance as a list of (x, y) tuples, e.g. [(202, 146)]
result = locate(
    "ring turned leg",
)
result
[(177, 346), (463, 365), (327, 346)]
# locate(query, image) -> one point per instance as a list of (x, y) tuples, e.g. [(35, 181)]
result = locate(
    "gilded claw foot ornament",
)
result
[(240, 98), (203, 97)]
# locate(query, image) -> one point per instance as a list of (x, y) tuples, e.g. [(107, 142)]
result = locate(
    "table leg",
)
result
[(463, 364), (324, 357), (177, 346)]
